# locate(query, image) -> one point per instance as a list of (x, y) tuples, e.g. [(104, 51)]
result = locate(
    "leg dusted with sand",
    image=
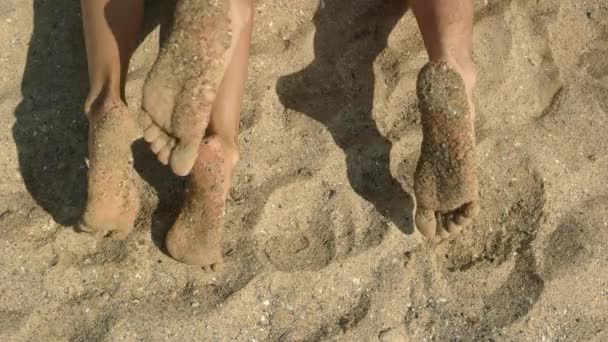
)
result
[(446, 179), (112, 203), (195, 237)]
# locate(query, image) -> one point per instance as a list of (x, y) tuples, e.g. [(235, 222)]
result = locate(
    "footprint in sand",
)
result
[(577, 239), (294, 232), (514, 183)]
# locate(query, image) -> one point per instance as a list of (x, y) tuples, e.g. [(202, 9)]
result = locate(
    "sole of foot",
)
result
[(112, 199), (180, 90), (195, 238), (446, 180)]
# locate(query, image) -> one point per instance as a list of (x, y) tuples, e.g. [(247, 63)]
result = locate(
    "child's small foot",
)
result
[(446, 178), (180, 90), (195, 238), (113, 201)]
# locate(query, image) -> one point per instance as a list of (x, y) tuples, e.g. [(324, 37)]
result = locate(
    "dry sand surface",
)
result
[(319, 242)]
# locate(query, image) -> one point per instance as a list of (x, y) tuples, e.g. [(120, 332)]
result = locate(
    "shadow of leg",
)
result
[(50, 129), (337, 89)]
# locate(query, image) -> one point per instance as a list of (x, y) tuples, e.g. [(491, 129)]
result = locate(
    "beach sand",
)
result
[(319, 242)]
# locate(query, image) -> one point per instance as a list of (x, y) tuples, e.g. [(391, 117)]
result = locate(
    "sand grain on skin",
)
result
[(307, 257)]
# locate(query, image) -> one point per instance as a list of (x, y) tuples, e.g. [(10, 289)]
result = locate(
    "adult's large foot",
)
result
[(446, 179), (181, 87), (113, 201), (195, 238)]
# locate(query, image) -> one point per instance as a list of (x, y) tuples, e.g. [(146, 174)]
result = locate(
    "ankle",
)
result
[(227, 147), (99, 104), (466, 69)]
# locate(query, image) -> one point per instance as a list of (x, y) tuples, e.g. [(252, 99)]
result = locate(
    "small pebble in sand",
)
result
[(266, 302), (195, 304), (356, 281)]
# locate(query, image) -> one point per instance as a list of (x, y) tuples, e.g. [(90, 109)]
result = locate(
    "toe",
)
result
[(471, 210), (183, 157), (442, 228), (152, 133), (426, 222), (92, 230), (157, 145), (454, 227), (165, 152), (461, 219), (144, 119)]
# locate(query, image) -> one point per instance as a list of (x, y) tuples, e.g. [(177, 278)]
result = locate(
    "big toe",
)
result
[(184, 156)]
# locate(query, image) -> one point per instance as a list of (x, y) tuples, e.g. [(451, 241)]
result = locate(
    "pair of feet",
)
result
[(113, 201), (445, 180), (177, 100)]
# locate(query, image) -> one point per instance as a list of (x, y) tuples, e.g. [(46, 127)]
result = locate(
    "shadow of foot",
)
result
[(337, 89)]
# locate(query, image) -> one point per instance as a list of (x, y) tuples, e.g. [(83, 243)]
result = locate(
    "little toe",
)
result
[(183, 157), (454, 227), (165, 152), (442, 228), (426, 222), (157, 145), (461, 219), (471, 210)]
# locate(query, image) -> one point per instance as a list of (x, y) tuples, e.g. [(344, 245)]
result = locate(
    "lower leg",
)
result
[(196, 236), (110, 28), (446, 180), (447, 31)]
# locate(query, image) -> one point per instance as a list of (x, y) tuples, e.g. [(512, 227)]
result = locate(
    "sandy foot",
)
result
[(181, 87), (195, 238), (112, 202), (446, 179)]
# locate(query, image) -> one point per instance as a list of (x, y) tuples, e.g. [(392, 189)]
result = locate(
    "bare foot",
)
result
[(446, 178), (195, 238), (113, 201), (181, 87)]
